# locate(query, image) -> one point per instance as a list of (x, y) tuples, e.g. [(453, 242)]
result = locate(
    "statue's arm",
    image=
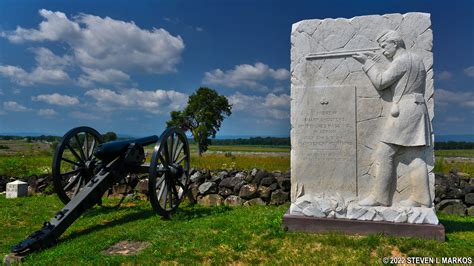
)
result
[(383, 79)]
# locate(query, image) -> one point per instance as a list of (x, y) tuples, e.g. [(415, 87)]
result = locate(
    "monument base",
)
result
[(300, 223)]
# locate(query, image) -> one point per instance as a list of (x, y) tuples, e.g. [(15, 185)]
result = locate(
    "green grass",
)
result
[(218, 235), (246, 148), (19, 166), (455, 153), (446, 165), (241, 162)]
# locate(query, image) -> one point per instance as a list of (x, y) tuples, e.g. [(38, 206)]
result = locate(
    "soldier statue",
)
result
[(408, 124)]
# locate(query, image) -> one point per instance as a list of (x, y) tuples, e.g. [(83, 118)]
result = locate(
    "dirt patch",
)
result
[(126, 248), (396, 252)]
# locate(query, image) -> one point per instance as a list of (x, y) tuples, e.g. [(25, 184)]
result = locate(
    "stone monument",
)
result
[(361, 135), (17, 189)]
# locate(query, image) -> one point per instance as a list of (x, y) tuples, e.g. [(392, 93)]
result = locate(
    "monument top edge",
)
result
[(295, 25)]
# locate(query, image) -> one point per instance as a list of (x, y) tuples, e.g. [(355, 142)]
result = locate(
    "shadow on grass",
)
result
[(187, 213), (453, 226), (139, 215)]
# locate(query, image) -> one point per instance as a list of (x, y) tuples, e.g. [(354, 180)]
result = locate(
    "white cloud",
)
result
[(38, 75), (47, 59), (47, 112), (56, 99), (469, 71), (445, 97), (270, 106), (15, 107), (157, 102), (445, 75), (106, 43), (245, 76), (107, 76)]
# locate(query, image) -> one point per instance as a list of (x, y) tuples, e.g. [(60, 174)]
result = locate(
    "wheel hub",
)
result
[(176, 171)]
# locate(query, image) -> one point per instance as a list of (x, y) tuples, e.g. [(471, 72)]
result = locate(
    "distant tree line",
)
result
[(47, 138), (254, 141), (454, 145)]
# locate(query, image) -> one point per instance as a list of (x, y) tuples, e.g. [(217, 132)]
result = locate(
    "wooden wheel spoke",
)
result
[(79, 185), (74, 153), (165, 193), (165, 153), (92, 148), (71, 162), (79, 145), (86, 146), (173, 187), (181, 159), (171, 148), (72, 183), (170, 191), (75, 171), (164, 163), (176, 194), (179, 149)]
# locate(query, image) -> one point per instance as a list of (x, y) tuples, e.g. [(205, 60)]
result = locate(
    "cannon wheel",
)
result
[(74, 161), (169, 172)]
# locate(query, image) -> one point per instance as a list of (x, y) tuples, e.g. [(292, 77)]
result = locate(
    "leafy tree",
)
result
[(109, 136), (203, 116)]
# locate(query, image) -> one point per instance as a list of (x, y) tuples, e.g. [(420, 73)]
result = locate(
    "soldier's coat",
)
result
[(406, 75)]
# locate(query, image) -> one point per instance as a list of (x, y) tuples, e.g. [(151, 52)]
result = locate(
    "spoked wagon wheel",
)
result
[(169, 172), (74, 161)]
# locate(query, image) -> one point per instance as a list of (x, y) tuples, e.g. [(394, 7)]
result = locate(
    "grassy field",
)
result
[(218, 235), (23, 159), (455, 153)]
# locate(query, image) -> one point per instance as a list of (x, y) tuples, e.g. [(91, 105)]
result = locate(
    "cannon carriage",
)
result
[(84, 168)]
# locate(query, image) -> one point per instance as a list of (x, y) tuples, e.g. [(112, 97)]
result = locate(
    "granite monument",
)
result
[(361, 112)]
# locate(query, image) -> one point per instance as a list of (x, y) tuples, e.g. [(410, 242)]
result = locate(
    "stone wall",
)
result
[(256, 187), (454, 192)]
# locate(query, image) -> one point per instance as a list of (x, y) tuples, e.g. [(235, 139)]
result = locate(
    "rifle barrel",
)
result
[(343, 53)]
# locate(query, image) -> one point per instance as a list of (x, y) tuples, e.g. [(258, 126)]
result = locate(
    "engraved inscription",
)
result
[(324, 139)]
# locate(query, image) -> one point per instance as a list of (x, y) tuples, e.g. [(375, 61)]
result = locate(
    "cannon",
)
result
[(84, 168)]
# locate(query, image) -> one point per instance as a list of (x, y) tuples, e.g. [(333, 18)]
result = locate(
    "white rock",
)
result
[(430, 217), (355, 212), (295, 209), (16, 189), (314, 211), (390, 214)]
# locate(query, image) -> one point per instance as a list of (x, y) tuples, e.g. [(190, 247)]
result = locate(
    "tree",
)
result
[(109, 136), (203, 116)]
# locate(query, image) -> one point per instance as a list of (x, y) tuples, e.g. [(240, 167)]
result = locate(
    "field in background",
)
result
[(22, 158), (217, 235)]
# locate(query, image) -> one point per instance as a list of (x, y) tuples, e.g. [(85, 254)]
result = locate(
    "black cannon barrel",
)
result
[(110, 150)]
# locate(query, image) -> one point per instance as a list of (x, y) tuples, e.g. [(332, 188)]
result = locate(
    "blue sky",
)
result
[(122, 66)]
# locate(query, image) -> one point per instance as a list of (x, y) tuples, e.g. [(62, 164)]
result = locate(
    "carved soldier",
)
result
[(408, 124)]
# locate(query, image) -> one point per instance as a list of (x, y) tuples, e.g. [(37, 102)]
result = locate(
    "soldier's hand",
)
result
[(360, 57)]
